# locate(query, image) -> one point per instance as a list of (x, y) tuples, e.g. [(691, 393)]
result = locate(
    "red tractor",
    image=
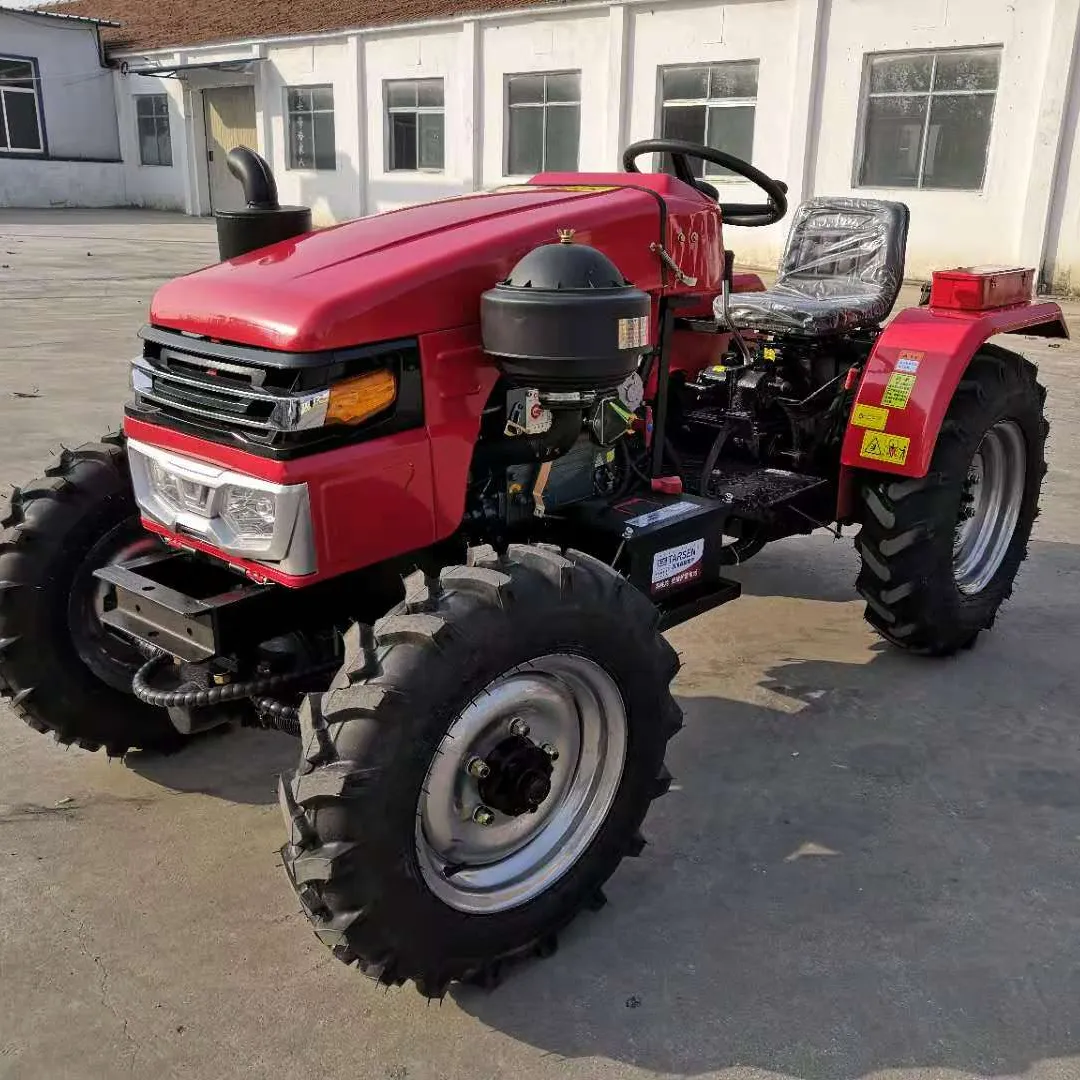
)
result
[(425, 489)]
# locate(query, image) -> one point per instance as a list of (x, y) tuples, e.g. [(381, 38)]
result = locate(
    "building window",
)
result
[(711, 104), (310, 118), (927, 118), (20, 107), (152, 117), (414, 110), (544, 123)]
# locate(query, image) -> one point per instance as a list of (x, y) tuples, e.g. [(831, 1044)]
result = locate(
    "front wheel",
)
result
[(62, 668), (940, 553), (480, 766)]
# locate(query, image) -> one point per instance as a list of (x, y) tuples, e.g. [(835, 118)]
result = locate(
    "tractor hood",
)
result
[(407, 272)]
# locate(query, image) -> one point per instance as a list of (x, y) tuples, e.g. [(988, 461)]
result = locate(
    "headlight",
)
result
[(235, 513), (250, 513), (165, 483)]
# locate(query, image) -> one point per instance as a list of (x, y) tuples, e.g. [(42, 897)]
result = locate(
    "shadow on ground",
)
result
[(238, 764), (943, 931), (932, 921)]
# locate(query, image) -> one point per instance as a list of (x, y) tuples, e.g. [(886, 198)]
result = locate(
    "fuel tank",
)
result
[(406, 272)]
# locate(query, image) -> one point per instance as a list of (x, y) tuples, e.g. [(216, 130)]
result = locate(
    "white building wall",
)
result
[(440, 54), (159, 187), (551, 43), (811, 56), (680, 33), (332, 195), (28, 183), (948, 228), (76, 91)]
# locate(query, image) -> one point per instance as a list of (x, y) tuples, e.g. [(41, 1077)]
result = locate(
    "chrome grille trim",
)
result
[(282, 412)]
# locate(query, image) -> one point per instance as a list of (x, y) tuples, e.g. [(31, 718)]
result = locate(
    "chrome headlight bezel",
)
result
[(203, 490)]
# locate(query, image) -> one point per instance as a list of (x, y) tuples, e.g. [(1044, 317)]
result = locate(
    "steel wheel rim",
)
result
[(990, 508), (567, 701)]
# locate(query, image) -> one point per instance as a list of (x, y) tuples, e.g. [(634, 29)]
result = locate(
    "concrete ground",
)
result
[(146, 929)]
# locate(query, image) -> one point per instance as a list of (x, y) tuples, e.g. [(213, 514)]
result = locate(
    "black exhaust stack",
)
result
[(262, 221)]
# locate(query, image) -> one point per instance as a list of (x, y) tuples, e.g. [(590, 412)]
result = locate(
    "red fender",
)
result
[(910, 378)]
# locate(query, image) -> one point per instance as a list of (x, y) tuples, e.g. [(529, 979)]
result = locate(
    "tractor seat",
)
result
[(842, 270)]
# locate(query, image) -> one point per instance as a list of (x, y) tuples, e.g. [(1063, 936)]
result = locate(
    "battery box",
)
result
[(669, 547)]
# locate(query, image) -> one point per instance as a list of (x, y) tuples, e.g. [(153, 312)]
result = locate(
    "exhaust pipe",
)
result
[(256, 178), (262, 222)]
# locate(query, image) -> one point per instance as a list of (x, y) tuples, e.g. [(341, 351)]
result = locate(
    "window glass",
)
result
[(927, 119), (152, 119), (957, 137), (416, 124), (21, 129), (526, 142), (544, 122), (561, 139), (312, 140), (711, 105)]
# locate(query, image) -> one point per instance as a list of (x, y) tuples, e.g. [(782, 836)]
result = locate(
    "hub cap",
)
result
[(990, 506), (553, 735)]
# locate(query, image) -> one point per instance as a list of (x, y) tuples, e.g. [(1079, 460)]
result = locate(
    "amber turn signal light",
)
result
[(353, 400)]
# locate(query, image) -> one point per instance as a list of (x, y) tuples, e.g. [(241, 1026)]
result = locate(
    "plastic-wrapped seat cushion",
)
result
[(842, 269)]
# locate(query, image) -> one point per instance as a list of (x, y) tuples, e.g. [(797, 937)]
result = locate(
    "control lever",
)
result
[(725, 302)]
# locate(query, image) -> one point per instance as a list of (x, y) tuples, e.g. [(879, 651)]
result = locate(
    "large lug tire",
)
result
[(940, 553), (384, 770), (61, 669)]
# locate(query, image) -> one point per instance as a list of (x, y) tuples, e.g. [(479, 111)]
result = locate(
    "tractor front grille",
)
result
[(271, 403), (202, 390)]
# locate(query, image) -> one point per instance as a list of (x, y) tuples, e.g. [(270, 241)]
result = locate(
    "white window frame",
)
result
[(289, 114), (417, 110), (709, 103), (864, 115), (156, 118), (39, 112), (545, 105)]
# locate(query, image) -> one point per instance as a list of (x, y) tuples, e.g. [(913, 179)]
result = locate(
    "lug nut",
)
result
[(478, 767), (551, 751), (483, 816), (519, 727)]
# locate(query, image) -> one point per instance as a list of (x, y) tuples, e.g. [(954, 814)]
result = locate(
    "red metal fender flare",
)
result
[(910, 378)]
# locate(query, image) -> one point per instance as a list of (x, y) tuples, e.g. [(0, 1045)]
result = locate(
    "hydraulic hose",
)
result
[(214, 695), (278, 715)]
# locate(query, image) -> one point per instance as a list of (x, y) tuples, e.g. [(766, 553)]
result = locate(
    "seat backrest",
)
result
[(846, 247)]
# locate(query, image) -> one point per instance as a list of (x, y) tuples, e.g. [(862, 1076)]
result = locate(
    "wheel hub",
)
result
[(519, 779), (522, 781)]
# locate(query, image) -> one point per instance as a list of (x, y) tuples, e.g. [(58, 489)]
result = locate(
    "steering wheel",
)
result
[(749, 214)]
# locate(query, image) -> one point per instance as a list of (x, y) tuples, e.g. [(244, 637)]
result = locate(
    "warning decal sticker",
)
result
[(880, 447), (634, 333), (898, 391), (678, 565), (870, 416)]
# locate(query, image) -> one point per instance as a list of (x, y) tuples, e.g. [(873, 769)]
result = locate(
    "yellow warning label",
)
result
[(898, 390), (870, 416), (769, 354), (881, 447)]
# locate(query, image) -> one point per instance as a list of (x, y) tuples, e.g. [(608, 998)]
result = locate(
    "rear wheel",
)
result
[(63, 670), (940, 553), (480, 766)]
